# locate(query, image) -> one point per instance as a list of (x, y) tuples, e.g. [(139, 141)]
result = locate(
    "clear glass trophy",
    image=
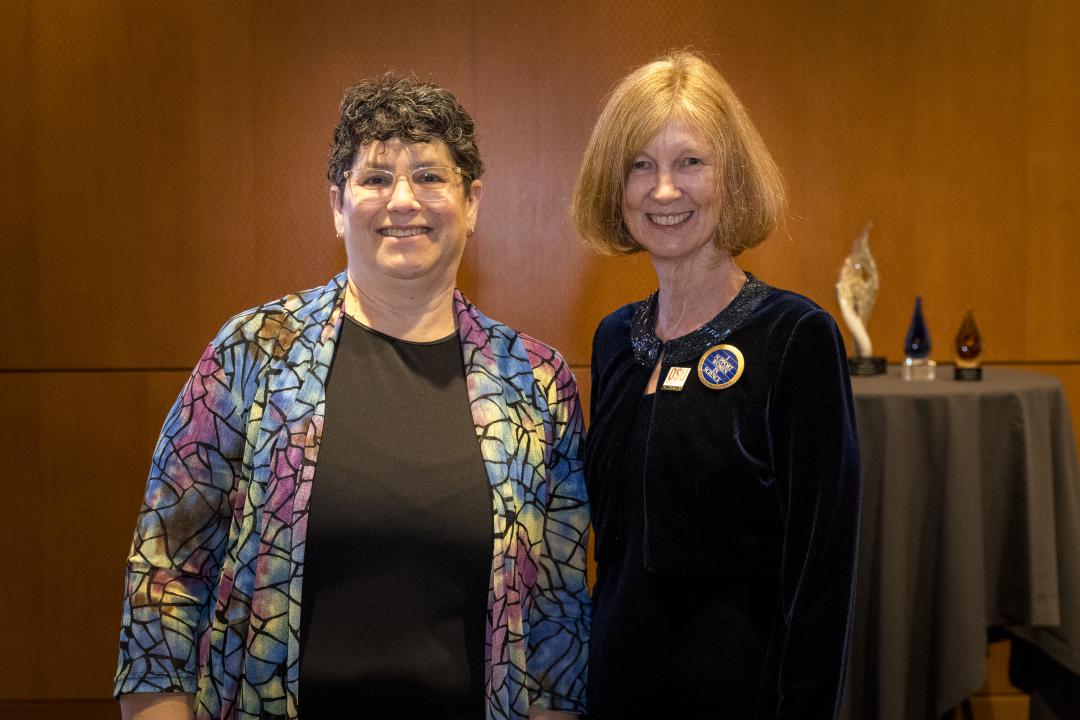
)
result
[(856, 291), (917, 363)]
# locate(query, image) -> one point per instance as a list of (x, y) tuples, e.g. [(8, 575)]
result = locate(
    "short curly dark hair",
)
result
[(408, 109)]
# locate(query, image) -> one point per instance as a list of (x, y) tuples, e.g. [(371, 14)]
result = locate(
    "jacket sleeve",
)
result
[(559, 616), (182, 532), (816, 457)]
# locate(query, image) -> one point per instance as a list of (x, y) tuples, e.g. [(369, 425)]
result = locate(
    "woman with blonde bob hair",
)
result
[(680, 86), (722, 461)]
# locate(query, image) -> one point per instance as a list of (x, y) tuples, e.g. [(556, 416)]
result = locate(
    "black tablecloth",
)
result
[(970, 519)]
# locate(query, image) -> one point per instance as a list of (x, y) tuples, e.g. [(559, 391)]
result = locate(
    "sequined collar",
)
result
[(647, 345)]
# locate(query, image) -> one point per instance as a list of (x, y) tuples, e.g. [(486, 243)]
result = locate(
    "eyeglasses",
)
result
[(428, 184)]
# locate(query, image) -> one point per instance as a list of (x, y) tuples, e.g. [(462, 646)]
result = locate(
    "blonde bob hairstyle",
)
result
[(680, 85)]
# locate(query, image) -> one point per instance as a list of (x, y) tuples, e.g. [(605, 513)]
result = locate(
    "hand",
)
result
[(157, 706), (537, 713)]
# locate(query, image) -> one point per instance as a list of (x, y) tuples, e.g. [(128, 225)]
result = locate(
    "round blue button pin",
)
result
[(721, 366)]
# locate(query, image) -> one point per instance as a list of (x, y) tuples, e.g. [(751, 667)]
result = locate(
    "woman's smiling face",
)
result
[(669, 201), (402, 237)]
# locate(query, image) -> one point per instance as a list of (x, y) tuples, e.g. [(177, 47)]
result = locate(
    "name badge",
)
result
[(676, 379), (721, 366)]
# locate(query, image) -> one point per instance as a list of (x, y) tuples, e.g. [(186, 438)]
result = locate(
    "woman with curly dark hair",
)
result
[(368, 498)]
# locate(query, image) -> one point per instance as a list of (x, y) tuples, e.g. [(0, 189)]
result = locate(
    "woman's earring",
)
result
[(469, 232)]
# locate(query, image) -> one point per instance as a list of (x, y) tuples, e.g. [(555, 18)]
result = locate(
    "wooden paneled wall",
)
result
[(164, 167)]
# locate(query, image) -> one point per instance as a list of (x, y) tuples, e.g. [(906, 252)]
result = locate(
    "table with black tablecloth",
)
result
[(970, 521)]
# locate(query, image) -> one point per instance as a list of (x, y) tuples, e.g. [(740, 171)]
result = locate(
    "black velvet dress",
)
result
[(726, 513)]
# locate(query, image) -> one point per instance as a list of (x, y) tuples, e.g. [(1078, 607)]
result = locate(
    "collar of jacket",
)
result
[(647, 346)]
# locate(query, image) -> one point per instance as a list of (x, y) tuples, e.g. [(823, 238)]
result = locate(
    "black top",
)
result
[(734, 580), (399, 544)]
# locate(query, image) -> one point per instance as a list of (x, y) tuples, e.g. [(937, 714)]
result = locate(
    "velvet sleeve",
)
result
[(816, 457), (181, 533), (559, 616)]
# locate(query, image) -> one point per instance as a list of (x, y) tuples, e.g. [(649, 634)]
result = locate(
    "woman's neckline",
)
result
[(647, 346), (391, 338)]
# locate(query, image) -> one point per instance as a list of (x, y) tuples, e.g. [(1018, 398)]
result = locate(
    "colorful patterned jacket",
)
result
[(213, 582)]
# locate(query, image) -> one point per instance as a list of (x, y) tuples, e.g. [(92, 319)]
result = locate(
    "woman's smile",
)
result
[(404, 232), (669, 219)]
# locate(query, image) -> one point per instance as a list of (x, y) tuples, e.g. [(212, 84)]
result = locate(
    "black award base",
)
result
[(967, 373), (866, 365)]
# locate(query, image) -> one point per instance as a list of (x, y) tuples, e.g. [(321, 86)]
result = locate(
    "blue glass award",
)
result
[(917, 363)]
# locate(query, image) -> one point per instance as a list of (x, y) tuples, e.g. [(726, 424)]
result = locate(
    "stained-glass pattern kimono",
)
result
[(214, 578)]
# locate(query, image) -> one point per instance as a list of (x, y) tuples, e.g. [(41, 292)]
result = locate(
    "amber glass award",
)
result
[(968, 347), (917, 363), (856, 291)]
